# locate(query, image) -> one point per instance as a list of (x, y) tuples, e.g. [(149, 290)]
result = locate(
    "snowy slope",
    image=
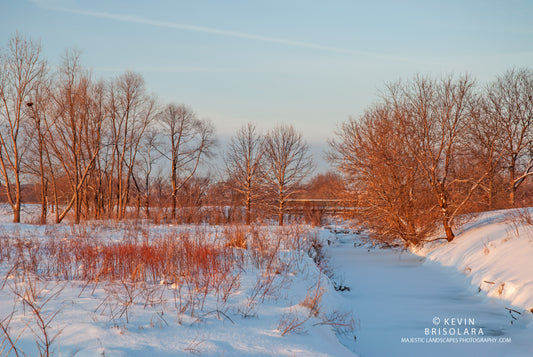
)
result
[(413, 305), (495, 251)]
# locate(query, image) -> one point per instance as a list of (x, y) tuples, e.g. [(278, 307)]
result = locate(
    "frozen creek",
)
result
[(398, 295)]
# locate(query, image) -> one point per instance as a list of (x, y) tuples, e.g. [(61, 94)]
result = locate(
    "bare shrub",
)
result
[(34, 297), (272, 256), (342, 322), (313, 298), (264, 286), (291, 322), (518, 218), (235, 237), (150, 267), (196, 343), (189, 260), (10, 339)]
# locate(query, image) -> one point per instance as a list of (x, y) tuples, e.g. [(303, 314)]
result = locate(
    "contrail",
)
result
[(214, 31)]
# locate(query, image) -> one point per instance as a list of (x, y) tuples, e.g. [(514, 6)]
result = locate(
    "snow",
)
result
[(98, 318), (399, 294), (495, 251), (469, 297), (87, 329)]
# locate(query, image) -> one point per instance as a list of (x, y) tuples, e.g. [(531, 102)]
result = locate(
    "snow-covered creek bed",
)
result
[(409, 306)]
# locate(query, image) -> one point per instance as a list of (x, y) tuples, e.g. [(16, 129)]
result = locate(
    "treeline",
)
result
[(96, 149), (431, 150)]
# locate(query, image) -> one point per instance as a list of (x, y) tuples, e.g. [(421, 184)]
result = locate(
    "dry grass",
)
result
[(170, 257), (192, 262), (519, 218), (193, 270)]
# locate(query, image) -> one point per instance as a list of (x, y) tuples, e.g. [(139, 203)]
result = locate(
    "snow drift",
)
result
[(495, 251)]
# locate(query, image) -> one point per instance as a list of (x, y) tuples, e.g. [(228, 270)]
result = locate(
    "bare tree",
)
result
[(383, 176), (244, 165), (149, 155), (73, 133), (432, 116), (326, 186), (193, 196), (94, 142), (483, 140), (288, 163), (190, 139), (21, 69), (132, 111), (38, 110), (510, 106)]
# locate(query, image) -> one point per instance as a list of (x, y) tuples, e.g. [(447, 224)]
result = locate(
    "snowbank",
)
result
[(406, 304), (495, 250)]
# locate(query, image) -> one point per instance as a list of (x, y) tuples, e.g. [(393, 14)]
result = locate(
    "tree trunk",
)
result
[(448, 229), (147, 207), (281, 211), (443, 203), (491, 193), (512, 191), (512, 187), (16, 212), (173, 205), (248, 209), (16, 209), (147, 196), (174, 183), (138, 208), (44, 202)]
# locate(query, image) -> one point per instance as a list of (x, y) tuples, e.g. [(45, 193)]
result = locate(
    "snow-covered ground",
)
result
[(296, 313), (495, 252), (473, 296), (469, 297)]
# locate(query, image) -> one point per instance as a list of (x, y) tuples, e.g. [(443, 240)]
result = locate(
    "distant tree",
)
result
[(21, 71), (190, 139), (244, 165), (95, 141), (193, 197), (328, 185), (288, 163), (510, 107), (149, 155)]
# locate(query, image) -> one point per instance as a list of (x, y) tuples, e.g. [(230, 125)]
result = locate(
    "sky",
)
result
[(312, 64)]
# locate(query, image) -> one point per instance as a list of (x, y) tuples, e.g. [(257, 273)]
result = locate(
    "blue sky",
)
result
[(308, 63)]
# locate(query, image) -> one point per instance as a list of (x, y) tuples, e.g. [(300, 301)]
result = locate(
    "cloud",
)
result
[(213, 31), (169, 69)]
